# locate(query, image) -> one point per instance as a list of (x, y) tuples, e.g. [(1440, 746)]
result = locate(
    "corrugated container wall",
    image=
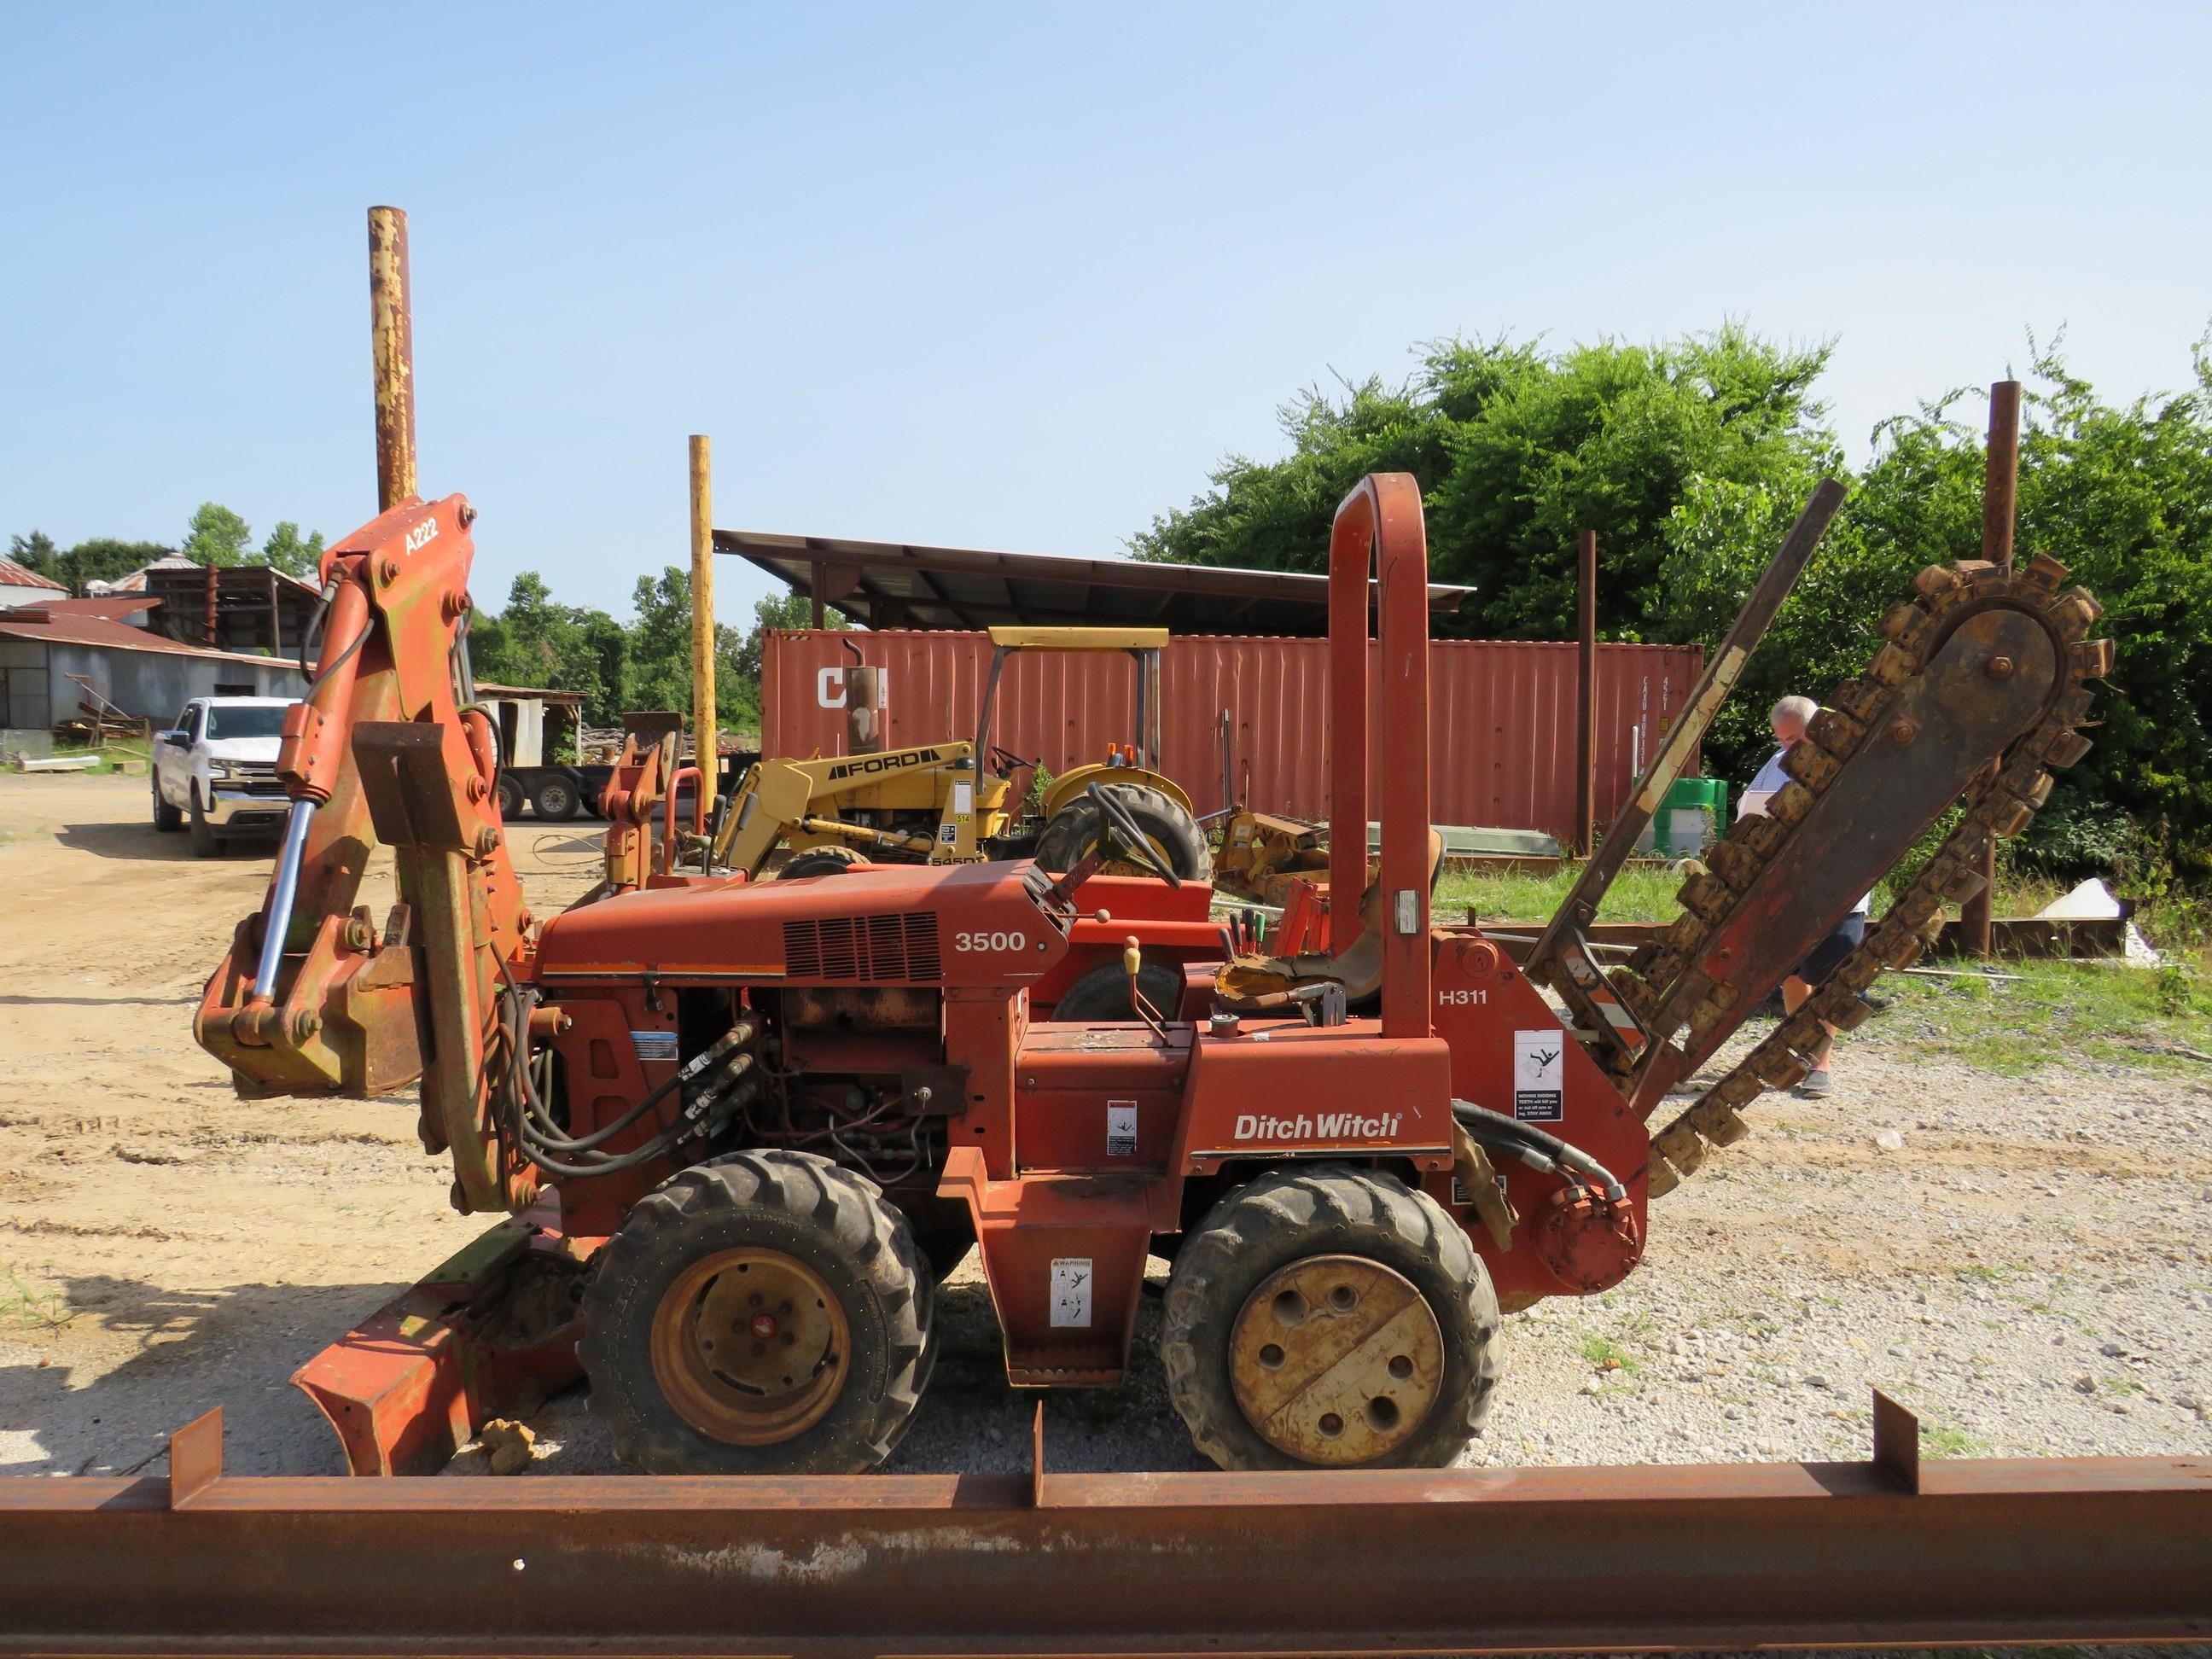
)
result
[(1248, 718)]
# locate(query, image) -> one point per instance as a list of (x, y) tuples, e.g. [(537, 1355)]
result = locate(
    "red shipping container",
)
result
[(1250, 715)]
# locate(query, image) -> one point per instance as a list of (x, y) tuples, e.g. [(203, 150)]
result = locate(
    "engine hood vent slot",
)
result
[(901, 946)]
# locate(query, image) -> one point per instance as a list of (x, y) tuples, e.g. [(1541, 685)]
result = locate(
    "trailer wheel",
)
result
[(510, 798), (1330, 1317), (166, 818), (1174, 834), (764, 1314), (556, 799), (819, 861)]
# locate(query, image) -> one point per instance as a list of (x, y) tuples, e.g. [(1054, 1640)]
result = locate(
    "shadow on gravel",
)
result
[(234, 1347)]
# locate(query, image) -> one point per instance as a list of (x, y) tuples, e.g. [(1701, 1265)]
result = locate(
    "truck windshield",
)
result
[(245, 721)]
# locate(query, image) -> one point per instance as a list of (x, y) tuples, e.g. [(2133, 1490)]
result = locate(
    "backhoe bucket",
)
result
[(490, 1333)]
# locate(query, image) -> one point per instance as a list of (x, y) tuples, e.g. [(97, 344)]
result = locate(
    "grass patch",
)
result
[(2156, 1019), (1647, 894), (24, 1309), (1946, 1440), (1608, 1355)]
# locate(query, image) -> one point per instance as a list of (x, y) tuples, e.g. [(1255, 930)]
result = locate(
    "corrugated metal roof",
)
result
[(56, 626), (1501, 715), (113, 606), (887, 585), (16, 575)]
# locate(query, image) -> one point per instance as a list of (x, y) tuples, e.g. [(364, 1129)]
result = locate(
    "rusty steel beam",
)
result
[(1887, 1551)]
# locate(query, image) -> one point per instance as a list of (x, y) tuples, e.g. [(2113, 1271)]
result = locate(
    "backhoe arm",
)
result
[(313, 998)]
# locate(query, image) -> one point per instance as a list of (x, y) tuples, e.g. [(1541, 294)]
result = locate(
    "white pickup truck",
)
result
[(215, 770)]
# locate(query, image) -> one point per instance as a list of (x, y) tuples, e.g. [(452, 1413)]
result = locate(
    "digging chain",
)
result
[(2000, 808)]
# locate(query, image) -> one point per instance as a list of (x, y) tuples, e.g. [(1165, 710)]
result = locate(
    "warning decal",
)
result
[(1070, 1291), (1540, 1075), (1121, 1129)]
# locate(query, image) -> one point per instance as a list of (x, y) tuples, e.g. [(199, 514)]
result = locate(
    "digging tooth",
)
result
[(1682, 1145), (1659, 1176), (1718, 1122)]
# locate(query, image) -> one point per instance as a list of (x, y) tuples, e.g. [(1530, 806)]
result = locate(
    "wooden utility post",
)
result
[(703, 723), (1586, 696), (2000, 488), (392, 335)]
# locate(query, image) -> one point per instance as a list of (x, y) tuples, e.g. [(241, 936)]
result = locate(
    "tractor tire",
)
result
[(1075, 828), (734, 1251), (1386, 1320), (166, 818), (206, 844), (510, 798), (1103, 992), (556, 799), (819, 861)]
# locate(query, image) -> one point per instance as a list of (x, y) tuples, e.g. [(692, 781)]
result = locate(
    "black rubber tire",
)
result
[(834, 1221), (819, 861), (206, 844), (1326, 1209), (510, 798), (1075, 830), (166, 818), (944, 1232), (557, 799), (1103, 992)]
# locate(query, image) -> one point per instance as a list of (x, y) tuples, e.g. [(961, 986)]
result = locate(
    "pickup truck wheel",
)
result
[(204, 843), (166, 818), (1329, 1317), (510, 798), (556, 799), (765, 1313)]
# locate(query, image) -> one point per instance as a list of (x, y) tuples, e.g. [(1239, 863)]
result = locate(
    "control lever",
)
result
[(1133, 964)]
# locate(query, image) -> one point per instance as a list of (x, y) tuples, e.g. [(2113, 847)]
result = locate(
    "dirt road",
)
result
[(2029, 1263)]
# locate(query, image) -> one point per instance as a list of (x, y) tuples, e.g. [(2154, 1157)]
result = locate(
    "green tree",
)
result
[(286, 552), (1516, 449), (218, 535), (539, 642), (35, 552)]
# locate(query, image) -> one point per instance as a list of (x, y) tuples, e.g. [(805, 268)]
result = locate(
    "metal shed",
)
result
[(1247, 718), (132, 668)]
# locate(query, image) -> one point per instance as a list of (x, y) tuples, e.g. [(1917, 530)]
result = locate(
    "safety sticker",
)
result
[(1121, 1129), (1070, 1291), (1539, 1076), (653, 1045)]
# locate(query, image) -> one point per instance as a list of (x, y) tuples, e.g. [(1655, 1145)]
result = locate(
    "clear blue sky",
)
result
[(1017, 277)]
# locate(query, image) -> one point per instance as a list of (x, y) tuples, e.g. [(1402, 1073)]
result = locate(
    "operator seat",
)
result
[(1259, 985)]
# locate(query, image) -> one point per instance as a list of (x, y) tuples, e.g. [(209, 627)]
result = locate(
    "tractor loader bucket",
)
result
[(1882, 1552), (490, 1333)]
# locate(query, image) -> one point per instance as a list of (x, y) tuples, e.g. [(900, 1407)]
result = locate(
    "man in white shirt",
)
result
[(1789, 721)]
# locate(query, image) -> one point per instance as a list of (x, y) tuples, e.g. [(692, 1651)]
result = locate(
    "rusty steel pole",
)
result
[(704, 725), (1586, 696), (2000, 489), (391, 329)]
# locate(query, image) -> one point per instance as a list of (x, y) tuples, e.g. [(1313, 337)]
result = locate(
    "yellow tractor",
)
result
[(954, 802)]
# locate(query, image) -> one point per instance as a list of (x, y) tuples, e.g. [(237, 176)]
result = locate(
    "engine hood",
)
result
[(971, 925)]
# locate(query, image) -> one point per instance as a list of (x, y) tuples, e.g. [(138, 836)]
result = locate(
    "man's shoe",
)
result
[(1816, 1085)]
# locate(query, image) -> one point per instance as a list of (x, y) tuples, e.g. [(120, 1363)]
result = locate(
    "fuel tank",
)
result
[(980, 926)]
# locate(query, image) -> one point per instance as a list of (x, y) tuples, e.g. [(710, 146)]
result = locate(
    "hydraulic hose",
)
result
[(1486, 1125)]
